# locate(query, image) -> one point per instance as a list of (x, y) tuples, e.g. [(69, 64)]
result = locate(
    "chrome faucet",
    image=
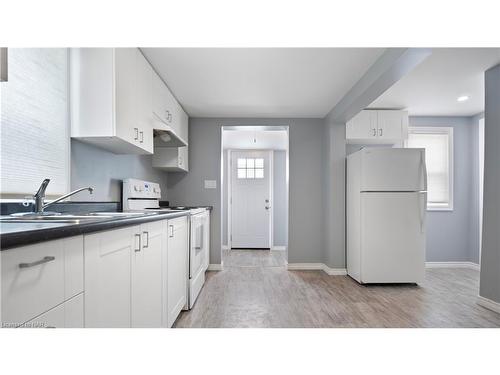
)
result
[(39, 197)]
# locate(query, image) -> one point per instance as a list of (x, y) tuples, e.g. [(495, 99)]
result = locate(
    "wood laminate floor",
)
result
[(253, 258), (275, 297)]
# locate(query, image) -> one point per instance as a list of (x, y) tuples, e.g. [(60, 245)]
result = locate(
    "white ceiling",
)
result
[(255, 140), (433, 87), (260, 82)]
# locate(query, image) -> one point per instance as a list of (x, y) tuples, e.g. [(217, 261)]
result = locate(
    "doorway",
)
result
[(254, 175)]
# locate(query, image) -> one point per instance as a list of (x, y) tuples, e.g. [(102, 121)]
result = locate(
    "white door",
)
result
[(393, 169), (250, 199), (362, 126), (108, 258), (392, 237), (177, 264), (390, 124), (147, 277)]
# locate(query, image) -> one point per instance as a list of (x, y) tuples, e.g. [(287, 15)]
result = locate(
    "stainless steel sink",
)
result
[(75, 219), (68, 218)]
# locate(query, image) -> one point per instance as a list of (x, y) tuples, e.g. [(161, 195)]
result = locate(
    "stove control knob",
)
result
[(136, 188)]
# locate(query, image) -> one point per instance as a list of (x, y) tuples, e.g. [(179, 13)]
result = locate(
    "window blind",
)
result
[(437, 145), (35, 122)]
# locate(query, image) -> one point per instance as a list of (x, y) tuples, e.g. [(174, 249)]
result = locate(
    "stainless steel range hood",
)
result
[(165, 135)]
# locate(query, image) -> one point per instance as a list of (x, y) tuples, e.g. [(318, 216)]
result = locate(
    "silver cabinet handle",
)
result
[(136, 130), (142, 137), (374, 132), (171, 228), (139, 237), (36, 263), (380, 131), (146, 242)]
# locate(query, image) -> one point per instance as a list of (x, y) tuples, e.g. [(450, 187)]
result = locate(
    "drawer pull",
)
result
[(41, 261)]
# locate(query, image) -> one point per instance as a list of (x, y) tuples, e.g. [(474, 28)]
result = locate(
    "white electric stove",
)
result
[(144, 196)]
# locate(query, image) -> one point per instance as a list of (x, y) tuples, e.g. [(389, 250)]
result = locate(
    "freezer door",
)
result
[(393, 169), (393, 237)]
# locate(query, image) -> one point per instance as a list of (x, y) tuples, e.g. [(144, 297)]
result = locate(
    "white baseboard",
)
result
[(317, 267), (335, 271), (214, 267), (489, 304), (469, 265), (278, 248)]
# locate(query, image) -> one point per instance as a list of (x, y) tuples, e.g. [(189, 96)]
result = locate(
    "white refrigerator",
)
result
[(386, 203)]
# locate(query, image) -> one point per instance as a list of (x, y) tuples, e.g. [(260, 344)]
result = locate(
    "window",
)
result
[(250, 168), (34, 122), (438, 145)]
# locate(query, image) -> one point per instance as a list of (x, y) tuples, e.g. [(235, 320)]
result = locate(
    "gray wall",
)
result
[(490, 255), (453, 236), (280, 230), (334, 152), (306, 171), (103, 170)]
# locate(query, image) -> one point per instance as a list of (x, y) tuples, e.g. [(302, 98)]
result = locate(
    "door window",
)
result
[(250, 168)]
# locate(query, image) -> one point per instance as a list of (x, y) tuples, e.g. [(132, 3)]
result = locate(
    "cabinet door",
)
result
[(177, 274), (126, 94), (184, 125), (108, 277), (144, 102), (362, 126), (390, 124), (183, 160), (147, 277), (159, 98)]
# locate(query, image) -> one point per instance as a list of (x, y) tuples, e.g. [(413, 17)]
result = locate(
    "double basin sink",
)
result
[(68, 218)]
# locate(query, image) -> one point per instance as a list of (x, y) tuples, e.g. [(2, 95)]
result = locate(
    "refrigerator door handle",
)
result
[(423, 169), (423, 210)]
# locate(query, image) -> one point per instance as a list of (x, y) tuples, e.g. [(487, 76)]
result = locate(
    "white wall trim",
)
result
[(489, 304), (214, 267), (317, 267), (279, 248), (470, 265)]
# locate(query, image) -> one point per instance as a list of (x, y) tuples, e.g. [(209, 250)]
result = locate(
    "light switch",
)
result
[(210, 184)]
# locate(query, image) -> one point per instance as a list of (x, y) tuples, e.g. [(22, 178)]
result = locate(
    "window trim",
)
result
[(446, 130)]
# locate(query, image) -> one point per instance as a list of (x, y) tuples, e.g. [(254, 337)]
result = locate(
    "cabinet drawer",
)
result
[(69, 314), (37, 278)]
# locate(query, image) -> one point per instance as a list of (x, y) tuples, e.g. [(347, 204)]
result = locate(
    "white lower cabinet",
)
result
[(38, 278), (108, 264), (136, 276), (177, 268), (128, 277), (147, 276)]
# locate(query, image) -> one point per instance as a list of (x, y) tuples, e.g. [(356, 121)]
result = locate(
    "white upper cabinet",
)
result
[(111, 99), (378, 126), (362, 126), (168, 115)]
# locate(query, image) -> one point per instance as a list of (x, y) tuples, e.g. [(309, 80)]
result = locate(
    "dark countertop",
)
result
[(20, 234)]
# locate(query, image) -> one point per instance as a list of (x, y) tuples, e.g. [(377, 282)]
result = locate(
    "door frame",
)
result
[(230, 194)]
